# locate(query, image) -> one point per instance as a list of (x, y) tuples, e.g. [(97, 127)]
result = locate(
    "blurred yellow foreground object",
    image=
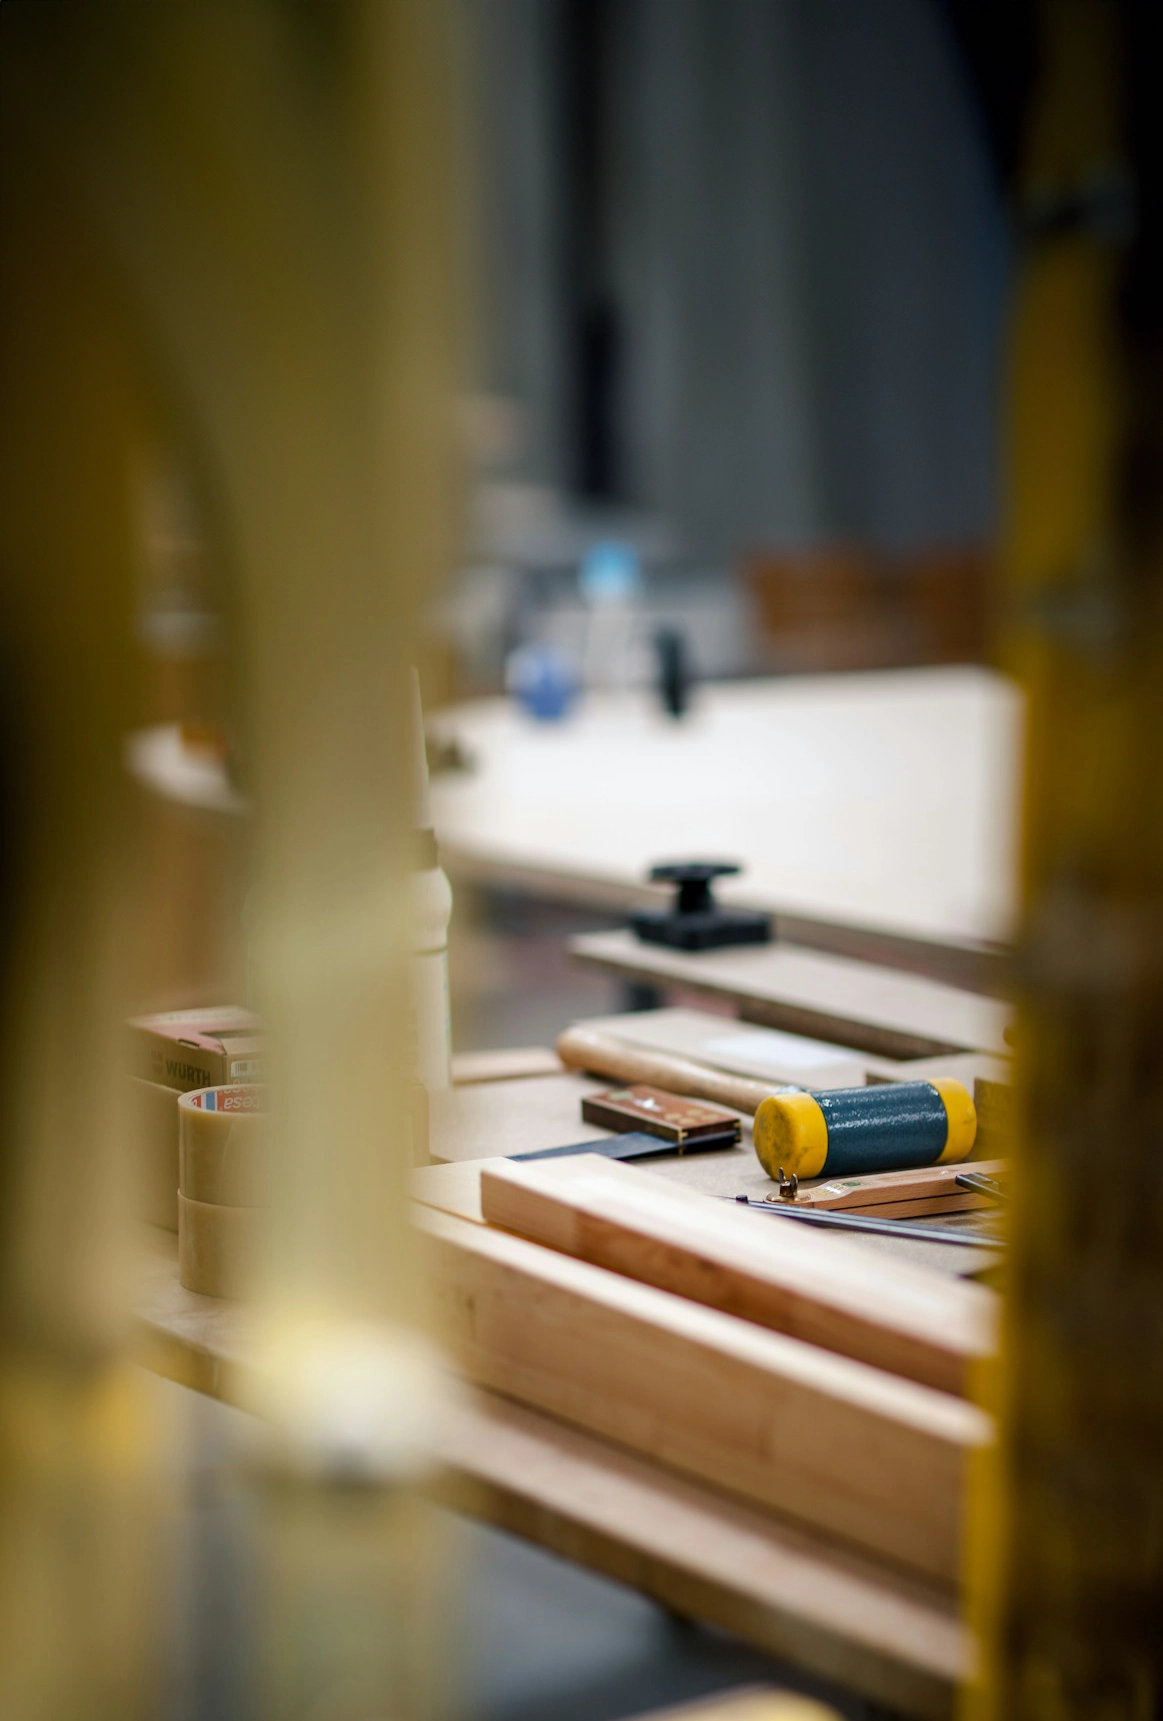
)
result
[(226, 229)]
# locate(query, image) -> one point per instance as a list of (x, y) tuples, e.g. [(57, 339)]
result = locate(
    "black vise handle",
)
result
[(693, 879)]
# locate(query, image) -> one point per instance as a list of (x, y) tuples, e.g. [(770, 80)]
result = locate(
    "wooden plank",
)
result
[(453, 1188), (857, 1452), (972, 1068), (870, 1192), (894, 1637), (731, 1048), (893, 1316), (964, 1201), (859, 1005)]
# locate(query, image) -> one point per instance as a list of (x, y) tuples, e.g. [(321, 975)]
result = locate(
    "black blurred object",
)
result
[(980, 1184), (594, 360), (696, 921), (445, 753), (998, 44), (674, 670)]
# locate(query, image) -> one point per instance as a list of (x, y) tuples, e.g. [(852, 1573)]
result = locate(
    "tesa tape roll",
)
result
[(222, 1146), (218, 1247)]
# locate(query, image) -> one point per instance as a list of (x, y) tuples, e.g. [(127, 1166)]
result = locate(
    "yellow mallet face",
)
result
[(790, 1132)]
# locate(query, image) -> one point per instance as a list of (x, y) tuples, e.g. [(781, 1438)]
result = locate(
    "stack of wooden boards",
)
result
[(796, 1372)]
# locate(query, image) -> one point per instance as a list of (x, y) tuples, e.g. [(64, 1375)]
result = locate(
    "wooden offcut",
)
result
[(876, 1190), (862, 1454), (824, 1290)]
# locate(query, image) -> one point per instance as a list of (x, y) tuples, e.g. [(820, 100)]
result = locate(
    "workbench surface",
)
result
[(793, 1593), (788, 1590), (870, 811)]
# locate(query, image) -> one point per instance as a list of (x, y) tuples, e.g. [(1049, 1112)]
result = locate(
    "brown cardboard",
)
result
[(153, 1122), (186, 1049)]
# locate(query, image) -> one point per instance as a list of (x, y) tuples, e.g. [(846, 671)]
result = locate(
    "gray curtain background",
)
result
[(797, 233)]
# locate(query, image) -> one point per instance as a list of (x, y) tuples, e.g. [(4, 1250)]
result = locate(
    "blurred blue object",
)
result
[(610, 573), (542, 680)]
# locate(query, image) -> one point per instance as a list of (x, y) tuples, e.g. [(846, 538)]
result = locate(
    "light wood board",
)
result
[(453, 1188), (870, 1627), (860, 1005), (822, 1290), (848, 1449), (874, 1190)]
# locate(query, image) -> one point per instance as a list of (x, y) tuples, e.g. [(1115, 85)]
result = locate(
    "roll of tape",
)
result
[(218, 1247), (222, 1146)]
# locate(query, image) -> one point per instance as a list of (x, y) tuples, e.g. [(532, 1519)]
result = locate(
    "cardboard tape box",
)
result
[(187, 1049), (171, 1054), (153, 1121)]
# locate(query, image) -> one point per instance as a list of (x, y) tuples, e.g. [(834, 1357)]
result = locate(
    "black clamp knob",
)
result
[(696, 921)]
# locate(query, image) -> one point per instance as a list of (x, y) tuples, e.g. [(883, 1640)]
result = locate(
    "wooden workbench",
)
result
[(894, 1637), (874, 813)]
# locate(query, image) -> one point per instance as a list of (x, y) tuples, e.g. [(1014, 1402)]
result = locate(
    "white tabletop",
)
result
[(882, 801)]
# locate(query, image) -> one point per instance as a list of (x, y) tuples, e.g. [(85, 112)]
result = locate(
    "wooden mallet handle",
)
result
[(604, 1054)]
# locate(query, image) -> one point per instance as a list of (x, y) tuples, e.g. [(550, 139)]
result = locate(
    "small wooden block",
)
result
[(452, 1188), (877, 1188)]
